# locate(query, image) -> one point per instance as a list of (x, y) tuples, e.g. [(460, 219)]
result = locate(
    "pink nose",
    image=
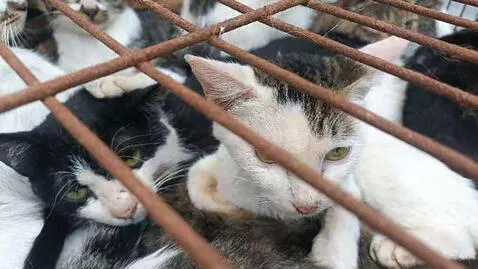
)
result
[(305, 209)]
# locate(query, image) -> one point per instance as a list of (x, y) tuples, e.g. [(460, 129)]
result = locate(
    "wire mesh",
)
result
[(197, 247)]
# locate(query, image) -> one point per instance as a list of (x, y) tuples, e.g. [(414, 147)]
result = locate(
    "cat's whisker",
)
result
[(133, 137), (56, 200), (139, 145), (112, 144)]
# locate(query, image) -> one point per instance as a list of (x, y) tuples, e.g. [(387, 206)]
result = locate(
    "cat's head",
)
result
[(102, 13), (13, 14), (318, 134), (70, 182)]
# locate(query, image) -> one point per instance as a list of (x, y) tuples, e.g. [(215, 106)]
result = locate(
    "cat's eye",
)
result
[(337, 153), (134, 159), (263, 158), (79, 194)]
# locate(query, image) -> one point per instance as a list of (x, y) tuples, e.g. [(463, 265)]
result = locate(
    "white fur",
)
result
[(156, 260), (28, 116), (336, 245), (254, 35), (117, 85), (78, 49), (21, 218)]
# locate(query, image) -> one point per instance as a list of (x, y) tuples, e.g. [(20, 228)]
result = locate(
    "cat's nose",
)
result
[(90, 11), (306, 209), (17, 6), (125, 205)]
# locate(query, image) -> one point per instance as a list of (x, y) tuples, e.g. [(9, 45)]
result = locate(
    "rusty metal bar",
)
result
[(431, 13), (459, 96), (201, 252), (196, 101), (451, 50)]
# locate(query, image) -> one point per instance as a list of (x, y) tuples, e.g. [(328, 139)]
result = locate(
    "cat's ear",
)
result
[(18, 152), (223, 83), (389, 49)]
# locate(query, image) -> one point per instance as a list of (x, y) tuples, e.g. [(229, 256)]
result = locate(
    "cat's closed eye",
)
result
[(79, 194), (133, 159), (263, 158), (337, 153)]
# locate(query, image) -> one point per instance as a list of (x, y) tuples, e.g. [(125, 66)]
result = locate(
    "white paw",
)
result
[(108, 87), (451, 242), (389, 254)]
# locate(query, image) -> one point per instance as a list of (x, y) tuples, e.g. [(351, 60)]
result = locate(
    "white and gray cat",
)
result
[(392, 176), (77, 49), (451, 219)]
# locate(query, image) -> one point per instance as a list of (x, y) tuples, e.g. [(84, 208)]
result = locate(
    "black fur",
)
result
[(436, 116)]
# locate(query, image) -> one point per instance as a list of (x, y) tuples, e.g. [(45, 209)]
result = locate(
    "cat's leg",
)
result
[(118, 84), (451, 243), (336, 246)]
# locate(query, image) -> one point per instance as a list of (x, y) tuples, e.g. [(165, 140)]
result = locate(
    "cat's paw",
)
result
[(109, 87), (452, 243), (389, 254)]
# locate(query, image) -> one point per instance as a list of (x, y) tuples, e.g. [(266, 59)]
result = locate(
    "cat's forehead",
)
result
[(335, 73)]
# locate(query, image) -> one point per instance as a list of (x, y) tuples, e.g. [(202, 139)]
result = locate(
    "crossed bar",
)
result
[(199, 250)]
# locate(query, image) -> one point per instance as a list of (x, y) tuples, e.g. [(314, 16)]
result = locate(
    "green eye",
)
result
[(337, 153), (263, 158), (133, 160), (77, 195)]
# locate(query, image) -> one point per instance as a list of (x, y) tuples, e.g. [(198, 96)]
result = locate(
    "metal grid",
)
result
[(198, 249)]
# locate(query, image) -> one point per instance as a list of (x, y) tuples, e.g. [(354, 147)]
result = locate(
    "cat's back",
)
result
[(436, 116)]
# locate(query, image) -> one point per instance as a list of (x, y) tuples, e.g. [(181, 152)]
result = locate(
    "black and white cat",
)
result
[(73, 188)]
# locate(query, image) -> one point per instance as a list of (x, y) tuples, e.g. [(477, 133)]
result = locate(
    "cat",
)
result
[(409, 186), (207, 12), (434, 115), (323, 137), (77, 49), (73, 188)]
